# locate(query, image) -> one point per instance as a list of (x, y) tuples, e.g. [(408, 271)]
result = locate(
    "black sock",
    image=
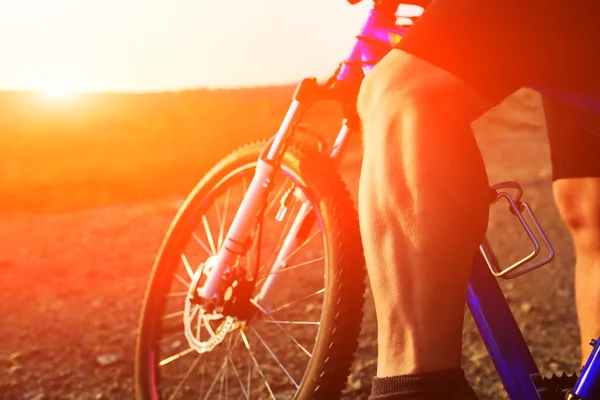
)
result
[(431, 385)]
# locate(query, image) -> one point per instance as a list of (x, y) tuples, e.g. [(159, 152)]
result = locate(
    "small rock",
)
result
[(526, 307), (22, 354), (34, 395), (356, 384), (475, 358), (62, 374), (15, 369), (105, 360)]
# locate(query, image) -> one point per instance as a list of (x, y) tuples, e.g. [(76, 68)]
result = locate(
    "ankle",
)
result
[(399, 356), (447, 384)]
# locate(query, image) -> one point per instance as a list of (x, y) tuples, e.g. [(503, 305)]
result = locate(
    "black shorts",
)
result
[(499, 46)]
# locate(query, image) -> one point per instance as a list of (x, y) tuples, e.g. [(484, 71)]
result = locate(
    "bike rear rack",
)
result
[(517, 208)]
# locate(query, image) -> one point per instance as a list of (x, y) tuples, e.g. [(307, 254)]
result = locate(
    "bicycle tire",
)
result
[(341, 314)]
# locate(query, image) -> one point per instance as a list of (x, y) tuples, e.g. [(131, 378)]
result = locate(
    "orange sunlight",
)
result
[(57, 91)]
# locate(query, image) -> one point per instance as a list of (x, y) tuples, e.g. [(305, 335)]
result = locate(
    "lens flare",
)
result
[(57, 91)]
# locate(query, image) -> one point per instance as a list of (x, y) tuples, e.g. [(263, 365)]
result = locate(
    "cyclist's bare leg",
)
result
[(578, 201), (423, 208)]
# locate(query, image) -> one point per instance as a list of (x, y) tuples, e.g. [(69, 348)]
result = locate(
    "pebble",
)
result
[(105, 360), (526, 307), (15, 369)]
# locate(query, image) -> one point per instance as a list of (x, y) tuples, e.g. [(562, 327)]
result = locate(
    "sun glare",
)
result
[(57, 92)]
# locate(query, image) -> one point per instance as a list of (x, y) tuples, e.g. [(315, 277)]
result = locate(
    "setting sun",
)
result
[(57, 91)]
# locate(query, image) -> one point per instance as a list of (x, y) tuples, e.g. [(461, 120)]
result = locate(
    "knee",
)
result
[(402, 86), (386, 93), (581, 212)]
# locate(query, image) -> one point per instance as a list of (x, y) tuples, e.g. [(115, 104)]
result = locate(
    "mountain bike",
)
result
[(258, 288)]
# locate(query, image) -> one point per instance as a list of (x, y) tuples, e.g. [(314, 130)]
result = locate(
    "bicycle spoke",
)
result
[(215, 380), (258, 368), (187, 265), (291, 267), (209, 235), (222, 381), (172, 336), (172, 315), (227, 367), (232, 347), (284, 233), (291, 303), (177, 294), (180, 313), (219, 374), (237, 375), (262, 310), (275, 357), (202, 380), (249, 371), (175, 357), (289, 322), (224, 375), (297, 249), (201, 243), (186, 377), (181, 280)]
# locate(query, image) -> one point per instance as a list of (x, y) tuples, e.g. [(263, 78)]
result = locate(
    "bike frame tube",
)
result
[(501, 335), (588, 386), (378, 36)]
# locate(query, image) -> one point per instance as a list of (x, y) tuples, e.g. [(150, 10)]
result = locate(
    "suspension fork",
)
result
[(238, 235), (298, 233), (305, 220)]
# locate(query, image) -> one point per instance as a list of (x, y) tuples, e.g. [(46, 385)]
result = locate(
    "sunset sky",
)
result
[(155, 45)]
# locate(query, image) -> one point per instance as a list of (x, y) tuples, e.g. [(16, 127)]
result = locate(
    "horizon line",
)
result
[(164, 91)]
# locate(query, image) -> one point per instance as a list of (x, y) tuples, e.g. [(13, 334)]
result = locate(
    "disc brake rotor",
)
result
[(195, 318)]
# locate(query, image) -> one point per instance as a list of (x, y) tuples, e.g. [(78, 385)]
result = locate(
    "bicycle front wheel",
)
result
[(302, 345)]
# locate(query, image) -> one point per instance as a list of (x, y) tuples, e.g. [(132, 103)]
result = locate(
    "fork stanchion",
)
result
[(588, 384)]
